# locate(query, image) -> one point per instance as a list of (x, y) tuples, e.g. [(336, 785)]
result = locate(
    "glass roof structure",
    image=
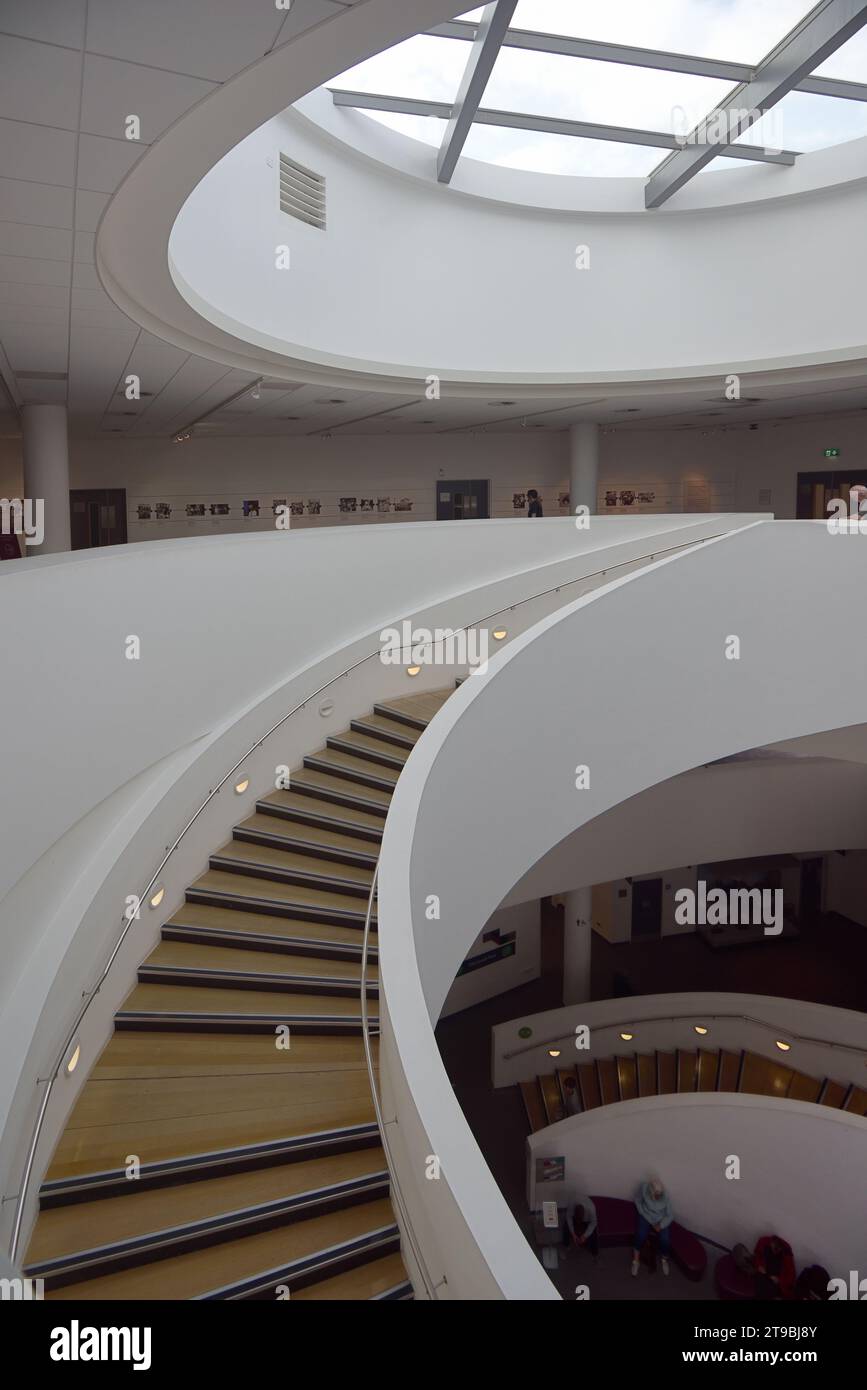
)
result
[(623, 88)]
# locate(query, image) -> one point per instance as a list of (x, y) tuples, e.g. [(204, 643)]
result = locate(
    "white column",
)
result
[(46, 473), (577, 917), (584, 465)]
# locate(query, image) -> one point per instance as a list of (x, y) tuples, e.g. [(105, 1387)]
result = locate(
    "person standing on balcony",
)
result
[(653, 1205), (534, 506)]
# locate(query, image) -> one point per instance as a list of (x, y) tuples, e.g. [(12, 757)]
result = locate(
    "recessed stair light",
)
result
[(499, 633), (553, 1052), (158, 897), (627, 1037), (413, 670), (241, 787), (700, 1029), (783, 1046), (73, 1057)]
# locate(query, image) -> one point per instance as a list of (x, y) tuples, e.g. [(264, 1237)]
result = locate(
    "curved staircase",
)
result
[(204, 1159), (573, 1090)]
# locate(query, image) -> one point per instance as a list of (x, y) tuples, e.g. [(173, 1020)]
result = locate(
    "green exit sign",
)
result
[(832, 453)]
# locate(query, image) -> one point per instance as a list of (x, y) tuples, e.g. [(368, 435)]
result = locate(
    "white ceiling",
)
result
[(71, 71)]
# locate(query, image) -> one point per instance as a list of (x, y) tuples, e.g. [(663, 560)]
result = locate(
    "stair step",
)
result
[(165, 1056), (256, 1264), (383, 1280), (282, 866), (310, 840), (414, 710), (387, 731), (306, 809), (213, 1009), (350, 769), (253, 931), (204, 1124), (373, 750), (327, 786), (88, 1239), (177, 962), (220, 889)]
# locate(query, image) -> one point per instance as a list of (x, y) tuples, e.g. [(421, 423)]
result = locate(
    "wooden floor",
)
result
[(205, 1157)]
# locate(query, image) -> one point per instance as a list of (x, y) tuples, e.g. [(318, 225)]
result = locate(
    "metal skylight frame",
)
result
[(788, 67)]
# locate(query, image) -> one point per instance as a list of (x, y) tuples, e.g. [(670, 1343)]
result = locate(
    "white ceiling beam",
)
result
[(825, 29), (550, 125), (656, 58), (480, 64)]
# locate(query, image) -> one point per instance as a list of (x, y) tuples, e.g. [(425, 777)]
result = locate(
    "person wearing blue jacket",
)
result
[(653, 1205)]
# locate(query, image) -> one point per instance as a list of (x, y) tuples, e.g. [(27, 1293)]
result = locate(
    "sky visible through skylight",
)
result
[(740, 31)]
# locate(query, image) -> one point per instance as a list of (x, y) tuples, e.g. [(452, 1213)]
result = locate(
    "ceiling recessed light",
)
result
[(242, 786), (158, 897)]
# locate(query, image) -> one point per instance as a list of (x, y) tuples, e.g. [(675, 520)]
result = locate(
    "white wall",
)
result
[(502, 975), (846, 885), (801, 1168)]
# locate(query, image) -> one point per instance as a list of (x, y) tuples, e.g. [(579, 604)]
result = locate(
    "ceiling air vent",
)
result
[(302, 193)]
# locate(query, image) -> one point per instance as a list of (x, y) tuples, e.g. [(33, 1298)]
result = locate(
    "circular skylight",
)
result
[(593, 109)]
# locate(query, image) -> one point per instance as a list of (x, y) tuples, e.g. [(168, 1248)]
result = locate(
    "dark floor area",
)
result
[(827, 964)]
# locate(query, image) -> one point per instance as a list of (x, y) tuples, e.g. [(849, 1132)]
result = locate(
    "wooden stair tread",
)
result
[(205, 1271), (326, 781), (175, 1121), (347, 762), (230, 919), (391, 727), (365, 1282), (170, 999), (165, 1054), (83, 1226), (310, 805), (192, 956), (423, 706), (268, 890), (367, 743), (267, 856), (261, 824)]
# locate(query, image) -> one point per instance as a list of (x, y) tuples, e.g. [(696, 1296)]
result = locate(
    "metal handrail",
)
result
[(21, 1196), (630, 1022)]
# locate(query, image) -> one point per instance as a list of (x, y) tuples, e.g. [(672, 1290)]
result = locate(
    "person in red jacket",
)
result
[(775, 1268)]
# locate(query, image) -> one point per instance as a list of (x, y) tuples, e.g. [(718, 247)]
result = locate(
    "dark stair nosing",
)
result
[(300, 878), (215, 1162), (340, 798), (283, 945), (212, 1230), (399, 717), (169, 1021), (347, 774), (295, 813), (214, 978), (371, 755), (312, 848), (312, 1269), (359, 726), (275, 907)]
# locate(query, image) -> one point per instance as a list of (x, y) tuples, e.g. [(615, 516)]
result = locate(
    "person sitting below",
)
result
[(534, 506), (571, 1098), (584, 1222), (774, 1267), (653, 1205), (812, 1285)]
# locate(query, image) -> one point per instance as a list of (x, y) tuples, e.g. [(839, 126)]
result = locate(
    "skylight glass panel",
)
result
[(546, 84), (429, 129), (804, 122), (543, 153), (849, 62), (742, 31), (425, 67)]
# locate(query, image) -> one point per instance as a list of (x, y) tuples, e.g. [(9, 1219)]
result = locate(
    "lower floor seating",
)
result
[(617, 1219)]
